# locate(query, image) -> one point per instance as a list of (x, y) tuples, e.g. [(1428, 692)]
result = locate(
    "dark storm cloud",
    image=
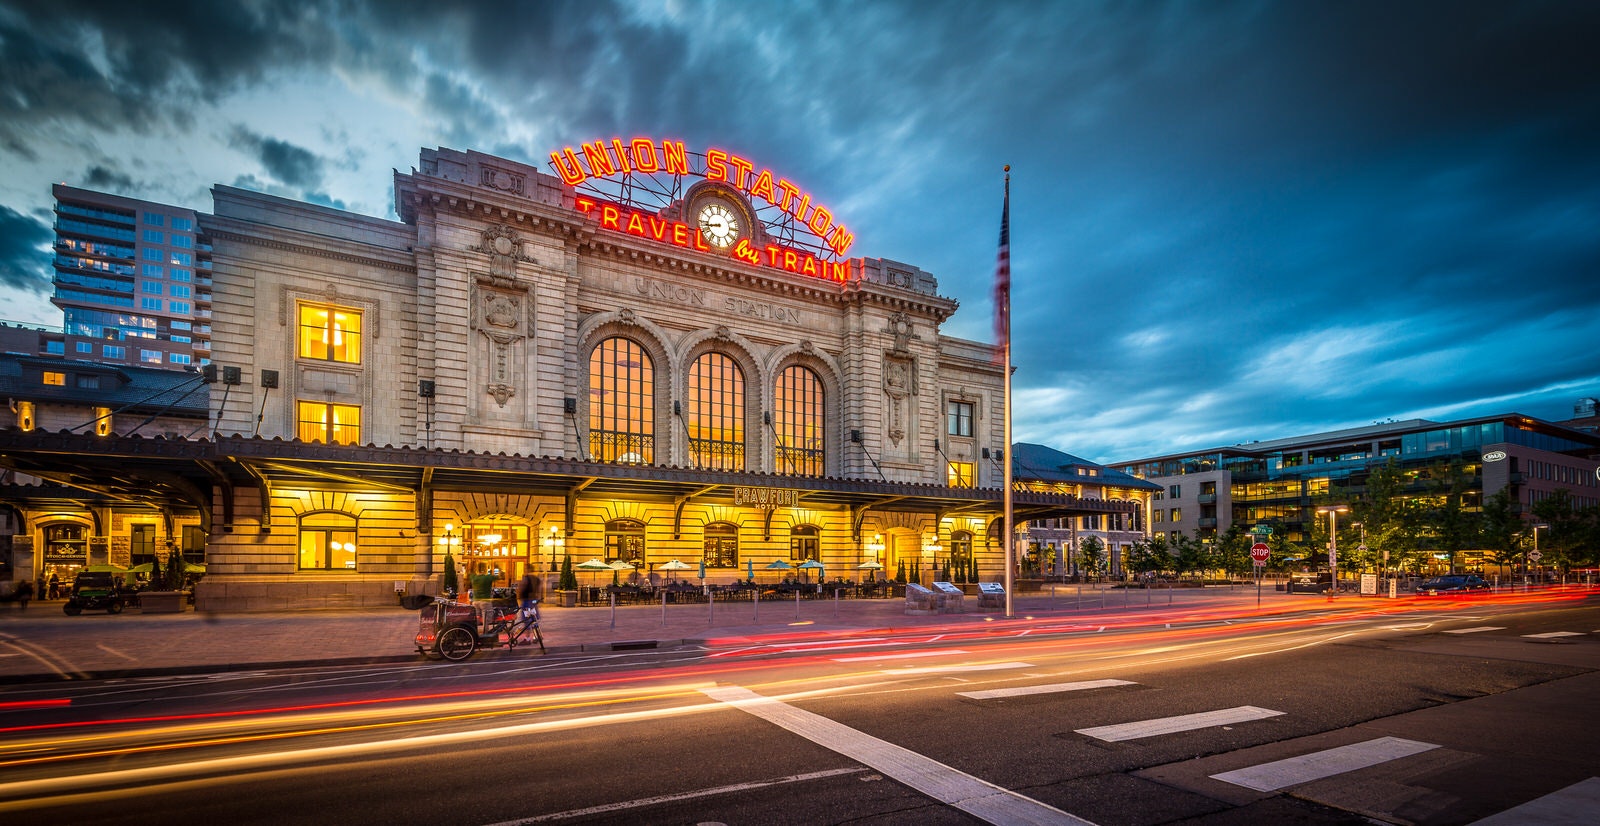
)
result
[(1231, 221), (294, 166), (23, 262), (108, 180)]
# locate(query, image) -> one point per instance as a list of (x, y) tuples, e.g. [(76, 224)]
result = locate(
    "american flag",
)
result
[(1002, 279)]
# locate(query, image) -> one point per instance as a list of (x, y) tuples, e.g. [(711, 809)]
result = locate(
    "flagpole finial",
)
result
[(1008, 167)]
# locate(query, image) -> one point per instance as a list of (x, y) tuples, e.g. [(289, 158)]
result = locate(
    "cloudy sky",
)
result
[(1230, 221)]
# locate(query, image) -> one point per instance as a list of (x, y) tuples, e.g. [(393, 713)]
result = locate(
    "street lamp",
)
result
[(930, 550), (1535, 556), (1333, 512), (554, 542)]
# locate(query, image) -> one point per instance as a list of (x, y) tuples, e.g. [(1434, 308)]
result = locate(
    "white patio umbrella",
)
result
[(675, 566), (591, 566)]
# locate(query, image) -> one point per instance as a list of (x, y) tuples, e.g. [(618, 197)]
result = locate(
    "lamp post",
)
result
[(930, 550), (1535, 556), (1333, 512), (554, 543)]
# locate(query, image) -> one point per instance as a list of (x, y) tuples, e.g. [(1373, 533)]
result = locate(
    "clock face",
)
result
[(719, 225)]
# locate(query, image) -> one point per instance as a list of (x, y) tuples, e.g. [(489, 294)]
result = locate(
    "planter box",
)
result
[(567, 599), (161, 602)]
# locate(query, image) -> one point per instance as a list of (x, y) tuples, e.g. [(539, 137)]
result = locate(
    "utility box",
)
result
[(950, 598), (991, 596)]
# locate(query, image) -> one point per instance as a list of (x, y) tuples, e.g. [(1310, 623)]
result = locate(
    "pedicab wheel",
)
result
[(457, 643), (114, 607), (72, 608)]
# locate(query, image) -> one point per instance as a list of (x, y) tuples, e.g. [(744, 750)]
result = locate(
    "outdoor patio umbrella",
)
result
[(812, 565), (115, 569), (143, 568), (675, 566), (618, 566), (591, 566), (870, 566)]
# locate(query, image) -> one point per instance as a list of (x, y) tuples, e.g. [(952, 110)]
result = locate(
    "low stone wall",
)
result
[(241, 595)]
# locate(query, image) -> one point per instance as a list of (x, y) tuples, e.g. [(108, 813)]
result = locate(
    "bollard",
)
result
[(613, 612), (755, 599), (663, 609), (797, 603)]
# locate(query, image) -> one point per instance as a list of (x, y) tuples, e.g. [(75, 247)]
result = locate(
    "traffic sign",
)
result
[(1259, 552), (1533, 556), (1262, 530)]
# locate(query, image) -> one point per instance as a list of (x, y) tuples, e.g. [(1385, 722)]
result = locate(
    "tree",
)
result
[(1091, 555), (1149, 556), (451, 584), (1389, 516), (1571, 538), (569, 579), (1503, 530), (1232, 552), (1448, 526), (1189, 555)]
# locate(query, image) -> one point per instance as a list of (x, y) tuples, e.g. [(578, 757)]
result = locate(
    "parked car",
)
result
[(1452, 584), (94, 591)]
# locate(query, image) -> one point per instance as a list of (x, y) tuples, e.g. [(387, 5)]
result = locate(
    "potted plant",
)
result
[(567, 587), (169, 598)]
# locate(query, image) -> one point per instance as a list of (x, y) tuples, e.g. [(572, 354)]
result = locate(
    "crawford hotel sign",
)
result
[(637, 187)]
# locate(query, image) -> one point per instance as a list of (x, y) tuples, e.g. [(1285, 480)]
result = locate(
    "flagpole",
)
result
[(1008, 537)]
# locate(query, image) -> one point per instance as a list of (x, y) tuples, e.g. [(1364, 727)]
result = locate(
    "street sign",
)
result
[(1262, 530), (1534, 556), (1362, 547), (1259, 552)]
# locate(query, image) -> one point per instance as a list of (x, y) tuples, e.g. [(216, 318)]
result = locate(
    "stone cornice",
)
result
[(217, 233)]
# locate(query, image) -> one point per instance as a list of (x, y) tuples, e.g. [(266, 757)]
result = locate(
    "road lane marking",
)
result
[(1279, 774), (674, 798), (979, 798), (1023, 691), (1476, 630), (895, 656), (1173, 725), (1574, 804), (947, 669), (1551, 634)]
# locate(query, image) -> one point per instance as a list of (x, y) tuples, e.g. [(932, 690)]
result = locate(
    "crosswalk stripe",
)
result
[(1023, 691), (1573, 805), (952, 787), (908, 656), (1476, 630), (1173, 725), (1269, 777), (1550, 634)]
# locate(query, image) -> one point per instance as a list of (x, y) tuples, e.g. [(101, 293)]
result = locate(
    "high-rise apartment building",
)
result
[(133, 281)]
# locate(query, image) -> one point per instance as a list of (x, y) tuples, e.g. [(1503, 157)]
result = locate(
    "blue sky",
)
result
[(1230, 221)]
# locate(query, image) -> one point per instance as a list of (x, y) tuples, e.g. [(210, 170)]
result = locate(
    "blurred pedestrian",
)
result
[(23, 594)]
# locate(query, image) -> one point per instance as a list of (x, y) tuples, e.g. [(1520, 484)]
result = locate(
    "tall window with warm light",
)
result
[(962, 474), (338, 424), (330, 334), (804, 543), (722, 545), (716, 413), (625, 541), (622, 396), (798, 418)]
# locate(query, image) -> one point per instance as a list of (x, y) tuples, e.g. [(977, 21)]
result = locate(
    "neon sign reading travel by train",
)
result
[(600, 159), (642, 225)]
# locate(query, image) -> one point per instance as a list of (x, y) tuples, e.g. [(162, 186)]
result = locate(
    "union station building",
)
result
[(643, 354)]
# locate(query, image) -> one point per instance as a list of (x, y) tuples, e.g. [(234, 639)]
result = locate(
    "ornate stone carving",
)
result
[(502, 393), (502, 179), (904, 332), (502, 324), (504, 247), (899, 384)]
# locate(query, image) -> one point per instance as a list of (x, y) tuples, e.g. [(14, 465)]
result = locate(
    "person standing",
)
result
[(529, 591), (24, 593)]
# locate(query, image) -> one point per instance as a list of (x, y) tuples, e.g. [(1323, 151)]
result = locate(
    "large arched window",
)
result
[(961, 550), (716, 413), (622, 394), (625, 541), (722, 545), (797, 417)]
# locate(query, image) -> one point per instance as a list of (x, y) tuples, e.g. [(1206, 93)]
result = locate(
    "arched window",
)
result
[(804, 543), (327, 542), (622, 397), (722, 545), (716, 413), (625, 541), (797, 417)]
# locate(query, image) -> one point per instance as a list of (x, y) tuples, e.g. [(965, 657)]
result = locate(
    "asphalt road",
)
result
[(1436, 716)]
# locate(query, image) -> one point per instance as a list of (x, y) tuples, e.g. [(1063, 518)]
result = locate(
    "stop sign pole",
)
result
[(1259, 553)]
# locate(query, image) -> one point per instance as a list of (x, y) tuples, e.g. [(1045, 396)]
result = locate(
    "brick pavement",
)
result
[(42, 643)]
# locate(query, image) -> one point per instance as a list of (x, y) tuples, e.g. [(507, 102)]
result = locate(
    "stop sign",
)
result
[(1259, 552)]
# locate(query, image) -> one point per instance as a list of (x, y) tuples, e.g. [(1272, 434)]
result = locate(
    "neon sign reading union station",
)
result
[(714, 214)]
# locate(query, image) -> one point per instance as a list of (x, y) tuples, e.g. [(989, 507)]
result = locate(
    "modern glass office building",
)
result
[(1282, 481), (133, 281)]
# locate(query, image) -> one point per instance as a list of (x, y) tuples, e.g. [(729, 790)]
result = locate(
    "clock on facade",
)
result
[(719, 224)]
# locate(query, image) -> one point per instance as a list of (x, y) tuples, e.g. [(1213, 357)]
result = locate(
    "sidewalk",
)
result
[(43, 644)]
